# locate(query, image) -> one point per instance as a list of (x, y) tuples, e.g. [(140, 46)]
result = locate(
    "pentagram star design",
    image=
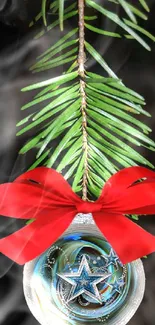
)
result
[(117, 285), (84, 281), (111, 259)]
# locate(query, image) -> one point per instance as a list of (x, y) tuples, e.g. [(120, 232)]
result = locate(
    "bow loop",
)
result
[(88, 207)]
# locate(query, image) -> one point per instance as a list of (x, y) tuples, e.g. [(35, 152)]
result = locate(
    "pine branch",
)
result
[(81, 62), (91, 117)]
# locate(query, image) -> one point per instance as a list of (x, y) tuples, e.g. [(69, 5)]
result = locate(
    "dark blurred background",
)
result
[(18, 50)]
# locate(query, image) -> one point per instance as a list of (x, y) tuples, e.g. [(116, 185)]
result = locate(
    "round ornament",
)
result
[(80, 280)]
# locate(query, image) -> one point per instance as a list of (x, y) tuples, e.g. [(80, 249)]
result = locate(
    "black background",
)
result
[(18, 50)]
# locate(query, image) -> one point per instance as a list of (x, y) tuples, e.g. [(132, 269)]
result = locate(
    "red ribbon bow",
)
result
[(44, 195)]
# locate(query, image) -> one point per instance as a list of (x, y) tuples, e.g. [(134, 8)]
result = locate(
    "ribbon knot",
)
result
[(88, 207)]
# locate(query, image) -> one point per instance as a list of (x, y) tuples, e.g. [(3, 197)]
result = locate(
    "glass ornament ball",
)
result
[(80, 280)]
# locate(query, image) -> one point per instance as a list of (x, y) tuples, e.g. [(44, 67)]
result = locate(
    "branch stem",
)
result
[(81, 63)]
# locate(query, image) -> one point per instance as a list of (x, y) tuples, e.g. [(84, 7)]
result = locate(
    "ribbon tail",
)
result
[(32, 240), (129, 240)]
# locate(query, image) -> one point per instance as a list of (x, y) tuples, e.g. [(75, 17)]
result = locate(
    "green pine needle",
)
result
[(61, 13)]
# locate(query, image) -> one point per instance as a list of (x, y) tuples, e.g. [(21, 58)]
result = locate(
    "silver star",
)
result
[(84, 281), (117, 285), (111, 259)]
